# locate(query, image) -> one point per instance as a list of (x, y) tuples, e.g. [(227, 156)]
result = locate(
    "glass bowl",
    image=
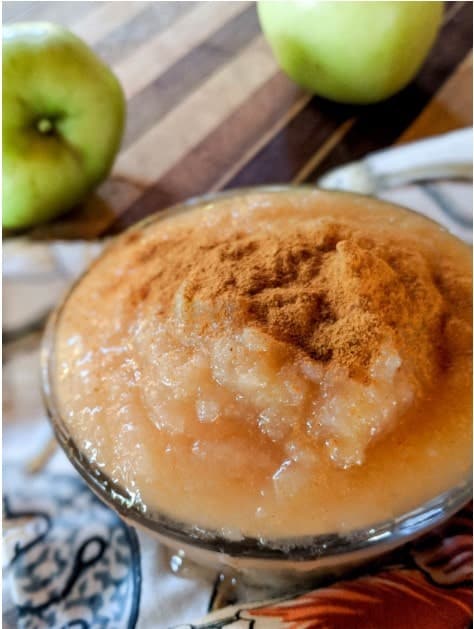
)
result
[(276, 564)]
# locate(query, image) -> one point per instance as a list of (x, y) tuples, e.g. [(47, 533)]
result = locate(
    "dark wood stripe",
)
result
[(283, 157), (154, 19), (219, 151), (380, 125), (377, 125), (451, 8), (158, 98)]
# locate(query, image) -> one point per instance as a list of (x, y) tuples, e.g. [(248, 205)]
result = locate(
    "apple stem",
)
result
[(44, 125)]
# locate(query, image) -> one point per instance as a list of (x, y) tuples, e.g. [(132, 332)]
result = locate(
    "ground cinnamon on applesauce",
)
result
[(332, 294), (274, 364)]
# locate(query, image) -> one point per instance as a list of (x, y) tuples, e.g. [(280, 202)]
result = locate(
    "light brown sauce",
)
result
[(216, 421)]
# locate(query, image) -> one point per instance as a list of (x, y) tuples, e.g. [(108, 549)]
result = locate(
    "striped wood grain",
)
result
[(209, 109), (157, 54), (197, 114), (322, 127)]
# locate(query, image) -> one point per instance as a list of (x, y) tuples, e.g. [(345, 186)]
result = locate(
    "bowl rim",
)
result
[(307, 548)]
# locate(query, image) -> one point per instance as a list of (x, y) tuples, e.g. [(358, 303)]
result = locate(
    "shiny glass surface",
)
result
[(310, 553)]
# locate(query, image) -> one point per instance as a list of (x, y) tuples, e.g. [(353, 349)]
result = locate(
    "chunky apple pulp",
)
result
[(220, 419)]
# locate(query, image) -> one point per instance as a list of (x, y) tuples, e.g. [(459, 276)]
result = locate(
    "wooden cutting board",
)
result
[(208, 108)]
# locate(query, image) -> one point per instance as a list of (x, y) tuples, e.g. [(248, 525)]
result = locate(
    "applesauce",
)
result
[(274, 364)]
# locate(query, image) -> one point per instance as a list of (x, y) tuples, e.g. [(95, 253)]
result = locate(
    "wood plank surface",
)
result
[(209, 109)]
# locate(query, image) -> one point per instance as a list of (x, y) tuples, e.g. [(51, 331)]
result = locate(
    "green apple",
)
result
[(351, 52), (63, 120)]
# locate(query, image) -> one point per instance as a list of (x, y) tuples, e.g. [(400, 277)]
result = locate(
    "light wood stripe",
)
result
[(449, 109), (262, 142), (154, 20), (198, 114), (323, 150), (160, 52), (64, 13), (106, 18), (120, 192)]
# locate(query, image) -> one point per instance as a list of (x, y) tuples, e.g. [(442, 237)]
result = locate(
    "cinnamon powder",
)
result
[(331, 293)]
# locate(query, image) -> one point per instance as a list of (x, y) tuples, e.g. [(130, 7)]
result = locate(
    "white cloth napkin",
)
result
[(68, 560)]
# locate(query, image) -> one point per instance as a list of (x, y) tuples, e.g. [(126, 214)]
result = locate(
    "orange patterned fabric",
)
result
[(427, 584), (435, 592), (390, 600)]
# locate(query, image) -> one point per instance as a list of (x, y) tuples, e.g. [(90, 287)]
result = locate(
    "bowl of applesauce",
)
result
[(277, 380)]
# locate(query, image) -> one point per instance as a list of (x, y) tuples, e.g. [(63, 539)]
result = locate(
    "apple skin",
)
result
[(351, 52), (52, 76)]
